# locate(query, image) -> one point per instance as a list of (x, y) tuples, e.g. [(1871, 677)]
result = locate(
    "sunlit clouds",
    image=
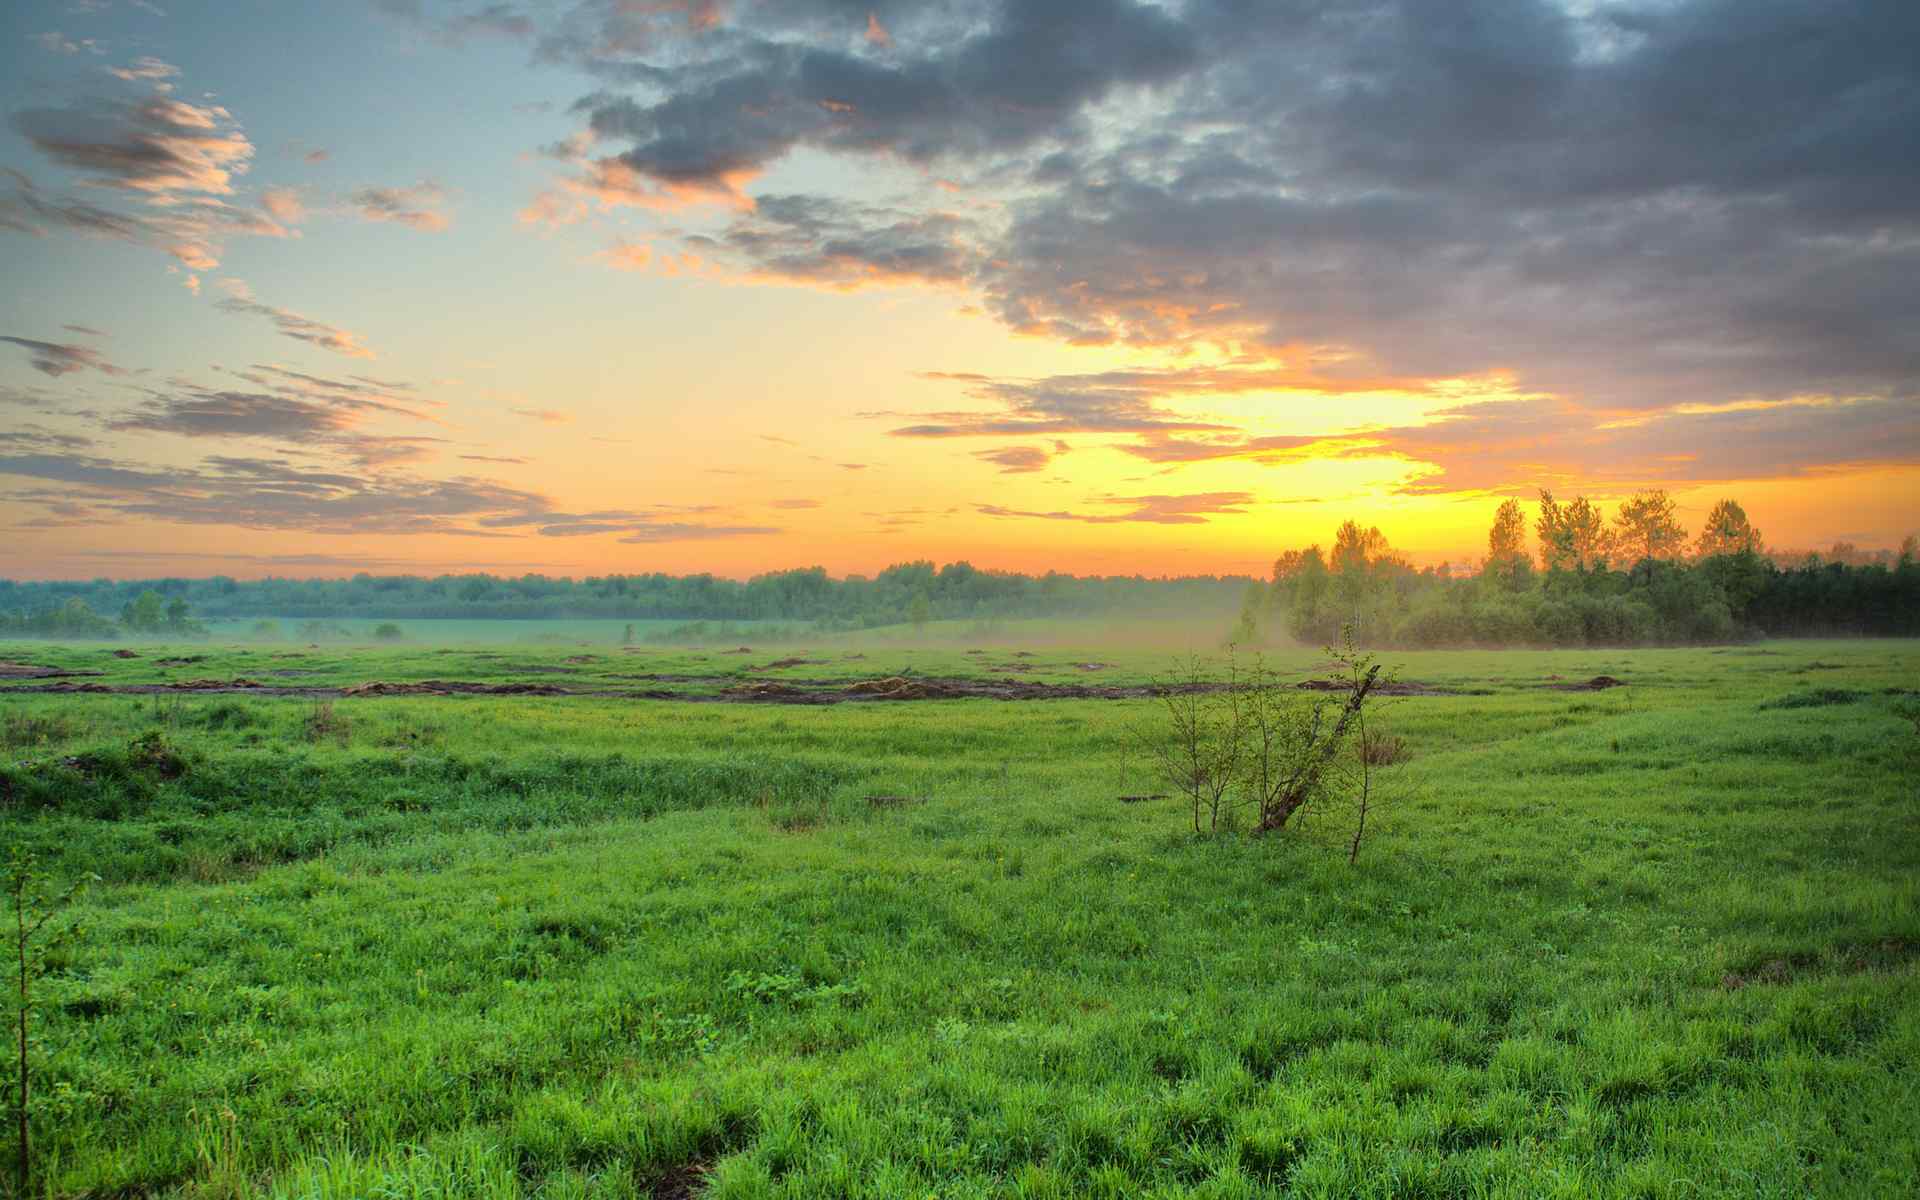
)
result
[(1107, 285)]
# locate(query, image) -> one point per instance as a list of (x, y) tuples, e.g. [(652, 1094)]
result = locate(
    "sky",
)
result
[(1100, 286)]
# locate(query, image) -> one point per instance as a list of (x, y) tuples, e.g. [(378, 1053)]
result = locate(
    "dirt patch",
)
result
[(20, 670), (184, 661), (779, 664), (739, 650), (450, 687), (896, 687), (125, 654), (686, 1181), (1887, 954), (773, 692), (1092, 666), (583, 658), (1599, 683), (759, 691), (1391, 687)]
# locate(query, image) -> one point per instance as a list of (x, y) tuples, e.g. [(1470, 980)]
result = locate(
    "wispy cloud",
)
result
[(417, 207), (240, 299), (57, 358), (1154, 510)]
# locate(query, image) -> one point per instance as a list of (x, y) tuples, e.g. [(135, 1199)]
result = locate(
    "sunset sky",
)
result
[(1103, 286)]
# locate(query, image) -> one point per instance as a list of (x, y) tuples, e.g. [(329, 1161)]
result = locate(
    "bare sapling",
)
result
[(33, 941), (1311, 743), (1198, 753)]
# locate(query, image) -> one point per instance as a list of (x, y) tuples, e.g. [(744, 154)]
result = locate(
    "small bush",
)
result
[(227, 714), (323, 723), (1820, 698), (23, 731), (1382, 749)]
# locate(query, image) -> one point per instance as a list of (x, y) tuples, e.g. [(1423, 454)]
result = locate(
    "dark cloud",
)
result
[(39, 437), (1153, 510), (57, 359), (1022, 73), (1635, 205), (84, 330), (1114, 402), (840, 244), (276, 494), (502, 459), (238, 414)]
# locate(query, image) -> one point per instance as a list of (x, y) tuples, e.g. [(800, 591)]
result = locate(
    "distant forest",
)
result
[(908, 592), (1637, 578)]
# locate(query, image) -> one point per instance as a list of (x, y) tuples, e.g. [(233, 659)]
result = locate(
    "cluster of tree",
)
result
[(148, 614), (915, 591), (1634, 579)]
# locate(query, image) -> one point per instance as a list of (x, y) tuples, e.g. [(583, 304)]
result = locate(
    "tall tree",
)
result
[(1507, 559), (1556, 544), (1587, 534), (1727, 531), (1645, 527)]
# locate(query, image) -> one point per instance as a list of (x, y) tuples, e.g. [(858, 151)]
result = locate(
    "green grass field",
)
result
[(1656, 940)]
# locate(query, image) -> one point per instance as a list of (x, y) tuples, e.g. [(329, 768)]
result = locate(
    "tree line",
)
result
[(914, 592), (1635, 578)]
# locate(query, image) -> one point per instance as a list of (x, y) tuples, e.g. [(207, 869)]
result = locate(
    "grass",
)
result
[(1657, 940)]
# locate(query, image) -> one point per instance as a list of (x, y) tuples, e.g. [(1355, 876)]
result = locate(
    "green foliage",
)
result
[(520, 946), (1578, 601)]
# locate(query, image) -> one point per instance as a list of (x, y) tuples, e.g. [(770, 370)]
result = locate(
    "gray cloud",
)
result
[(240, 299), (417, 207), (840, 244), (1635, 206), (238, 414), (57, 359), (166, 164), (39, 437), (276, 494), (1016, 460)]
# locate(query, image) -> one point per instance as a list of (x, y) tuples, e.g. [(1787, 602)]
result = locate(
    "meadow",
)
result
[(728, 921)]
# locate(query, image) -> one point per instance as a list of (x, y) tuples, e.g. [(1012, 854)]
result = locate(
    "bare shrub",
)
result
[(1381, 749), (1253, 741), (1198, 751), (323, 723)]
